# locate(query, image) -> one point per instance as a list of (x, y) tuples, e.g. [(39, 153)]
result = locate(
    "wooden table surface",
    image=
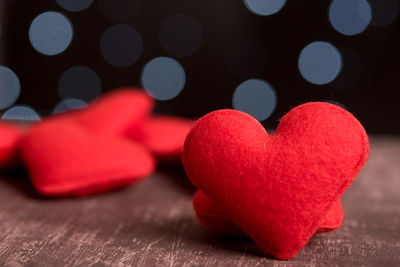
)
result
[(153, 224)]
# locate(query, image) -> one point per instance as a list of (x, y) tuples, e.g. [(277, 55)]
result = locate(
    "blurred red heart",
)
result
[(127, 112), (115, 113), (278, 189), (65, 160)]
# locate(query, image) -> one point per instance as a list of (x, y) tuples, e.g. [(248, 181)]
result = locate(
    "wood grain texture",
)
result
[(153, 224)]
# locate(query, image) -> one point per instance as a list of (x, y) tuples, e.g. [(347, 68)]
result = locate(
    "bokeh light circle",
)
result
[(119, 10), (255, 97), (74, 5), (10, 87), (163, 78), (264, 7), (69, 104), (384, 12), (180, 35), (350, 17), (320, 62), (21, 112), (50, 33), (79, 82), (121, 45)]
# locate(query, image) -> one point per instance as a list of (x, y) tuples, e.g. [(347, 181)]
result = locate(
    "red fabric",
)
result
[(127, 112), (165, 136), (63, 159), (10, 136), (116, 113), (333, 219), (107, 145), (278, 189), (211, 216)]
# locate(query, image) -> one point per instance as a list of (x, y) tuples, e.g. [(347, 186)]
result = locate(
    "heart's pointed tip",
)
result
[(333, 219)]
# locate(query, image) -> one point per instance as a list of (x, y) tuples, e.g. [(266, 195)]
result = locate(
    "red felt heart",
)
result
[(10, 136), (127, 112), (164, 136), (278, 189), (211, 216), (65, 160), (116, 113)]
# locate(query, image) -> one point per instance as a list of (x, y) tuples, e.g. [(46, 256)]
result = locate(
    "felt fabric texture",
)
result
[(278, 189), (10, 136), (63, 159), (333, 219), (211, 216)]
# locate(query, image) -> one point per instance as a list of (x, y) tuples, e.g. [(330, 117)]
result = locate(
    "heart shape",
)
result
[(278, 189), (127, 112), (63, 159), (211, 216), (118, 122)]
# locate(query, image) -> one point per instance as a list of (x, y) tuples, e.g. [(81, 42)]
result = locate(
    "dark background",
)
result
[(236, 45)]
